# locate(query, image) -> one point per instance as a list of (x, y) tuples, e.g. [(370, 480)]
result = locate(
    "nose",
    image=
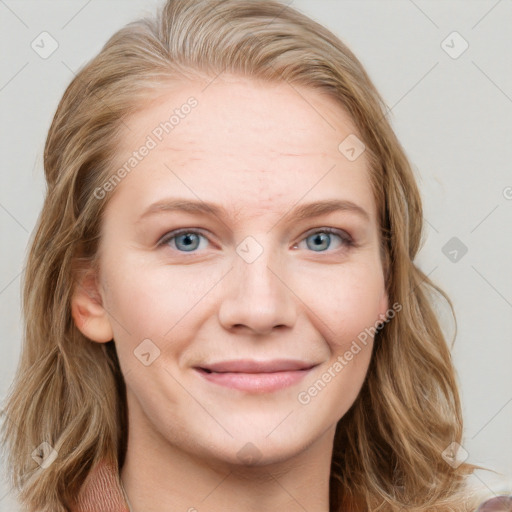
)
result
[(257, 297)]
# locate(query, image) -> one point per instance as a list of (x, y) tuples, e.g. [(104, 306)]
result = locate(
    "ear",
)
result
[(88, 312)]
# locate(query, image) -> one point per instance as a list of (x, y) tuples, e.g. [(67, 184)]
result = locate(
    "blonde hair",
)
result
[(69, 391)]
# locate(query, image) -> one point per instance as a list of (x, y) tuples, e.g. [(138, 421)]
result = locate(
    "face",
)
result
[(234, 303)]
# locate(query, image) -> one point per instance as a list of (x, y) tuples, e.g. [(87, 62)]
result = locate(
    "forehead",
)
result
[(245, 142)]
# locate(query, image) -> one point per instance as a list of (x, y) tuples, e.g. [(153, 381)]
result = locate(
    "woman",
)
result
[(222, 306)]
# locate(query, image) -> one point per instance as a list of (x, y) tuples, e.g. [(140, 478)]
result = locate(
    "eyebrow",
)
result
[(304, 211)]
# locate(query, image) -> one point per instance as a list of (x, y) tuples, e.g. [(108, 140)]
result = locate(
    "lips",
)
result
[(251, 366), (255, 376)]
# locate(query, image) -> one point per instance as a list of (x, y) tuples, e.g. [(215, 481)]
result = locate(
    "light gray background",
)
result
[(452, 115)]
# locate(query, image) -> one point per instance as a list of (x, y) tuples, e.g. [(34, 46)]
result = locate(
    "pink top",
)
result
[(498, 504), (102, 492)]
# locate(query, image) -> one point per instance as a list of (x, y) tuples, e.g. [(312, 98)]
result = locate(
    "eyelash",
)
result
[(346, 239)]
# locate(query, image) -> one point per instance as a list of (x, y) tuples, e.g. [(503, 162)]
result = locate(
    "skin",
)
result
[(259, 150)]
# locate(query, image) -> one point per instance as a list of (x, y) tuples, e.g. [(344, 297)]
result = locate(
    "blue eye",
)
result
[(185, 240), (321, 240)]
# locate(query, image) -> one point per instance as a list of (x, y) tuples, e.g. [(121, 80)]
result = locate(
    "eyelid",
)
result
[(335, 231), (348, 240), (180, 231), (344, 235)]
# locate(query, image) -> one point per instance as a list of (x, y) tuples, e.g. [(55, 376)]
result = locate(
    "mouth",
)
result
[(255, 376)]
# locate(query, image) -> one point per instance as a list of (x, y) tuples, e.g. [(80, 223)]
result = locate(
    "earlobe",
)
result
[(88, 313)]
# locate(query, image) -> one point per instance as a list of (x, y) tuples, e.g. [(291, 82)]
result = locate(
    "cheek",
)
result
[(350, 304), (159, 304), (135, 305), (340, 301), (348, 313), (145, 300)]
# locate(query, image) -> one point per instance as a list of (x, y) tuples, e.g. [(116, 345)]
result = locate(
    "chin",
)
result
[(258, 450)]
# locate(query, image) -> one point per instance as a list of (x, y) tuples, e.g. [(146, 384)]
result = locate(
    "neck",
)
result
[(158, 477)]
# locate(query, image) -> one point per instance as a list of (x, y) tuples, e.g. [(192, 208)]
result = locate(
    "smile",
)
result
[(255, 376)]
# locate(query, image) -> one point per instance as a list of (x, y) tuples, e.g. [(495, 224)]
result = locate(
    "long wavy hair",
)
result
[(390, 447)]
